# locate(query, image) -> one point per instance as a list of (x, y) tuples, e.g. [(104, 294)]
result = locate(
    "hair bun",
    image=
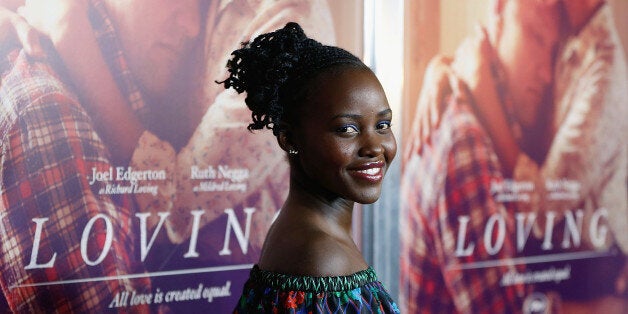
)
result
[(272, 63)]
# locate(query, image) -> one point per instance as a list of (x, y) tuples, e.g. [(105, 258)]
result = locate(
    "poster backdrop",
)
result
[(516, 200), (177, 224), (178, 227)]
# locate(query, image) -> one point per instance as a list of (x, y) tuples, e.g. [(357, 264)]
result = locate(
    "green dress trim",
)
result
[(310, 283)]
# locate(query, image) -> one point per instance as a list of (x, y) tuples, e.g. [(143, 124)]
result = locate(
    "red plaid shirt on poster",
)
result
[(447, 207), (49, 153)]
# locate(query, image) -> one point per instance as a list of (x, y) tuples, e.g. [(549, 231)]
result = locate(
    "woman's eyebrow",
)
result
[(357, 116), (385, 112), (346, 115)]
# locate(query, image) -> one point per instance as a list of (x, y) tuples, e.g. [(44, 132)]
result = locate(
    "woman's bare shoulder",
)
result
[(311, 253)]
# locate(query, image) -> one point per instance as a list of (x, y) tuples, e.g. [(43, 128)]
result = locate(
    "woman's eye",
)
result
[(385, 125), (348, 129)]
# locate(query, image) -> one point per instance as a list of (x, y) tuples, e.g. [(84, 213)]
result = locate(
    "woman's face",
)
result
[(344, 138)]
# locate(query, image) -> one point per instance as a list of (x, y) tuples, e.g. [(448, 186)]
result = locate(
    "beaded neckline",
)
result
[(310, 283)]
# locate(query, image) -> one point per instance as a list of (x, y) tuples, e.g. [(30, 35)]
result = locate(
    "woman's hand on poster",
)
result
[(37, 19), (446, 76), (53, 18), (436, 86), (472, 64), (15, 29)]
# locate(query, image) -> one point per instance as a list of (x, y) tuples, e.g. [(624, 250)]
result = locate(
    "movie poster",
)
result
[(514, 189), (177, 227)]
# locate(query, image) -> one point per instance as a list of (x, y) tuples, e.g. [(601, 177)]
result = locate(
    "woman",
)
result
[(329, 112)]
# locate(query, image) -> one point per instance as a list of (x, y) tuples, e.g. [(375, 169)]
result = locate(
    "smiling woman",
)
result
[(344, 136), (330, 114)]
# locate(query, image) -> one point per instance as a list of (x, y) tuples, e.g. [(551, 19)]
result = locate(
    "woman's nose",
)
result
[(371, 144)]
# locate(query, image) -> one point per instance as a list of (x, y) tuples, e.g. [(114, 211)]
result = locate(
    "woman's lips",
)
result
[(372, 172)]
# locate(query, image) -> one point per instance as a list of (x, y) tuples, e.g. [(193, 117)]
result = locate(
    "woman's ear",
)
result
[(282, 139), (285, 140)]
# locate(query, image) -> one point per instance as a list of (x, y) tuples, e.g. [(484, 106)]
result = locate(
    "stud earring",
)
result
[(293, 151)]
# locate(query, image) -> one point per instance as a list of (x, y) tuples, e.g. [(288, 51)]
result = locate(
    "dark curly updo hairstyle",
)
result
[(274, 70)]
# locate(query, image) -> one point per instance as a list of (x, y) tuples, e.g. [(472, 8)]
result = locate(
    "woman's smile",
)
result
[(371, 172)]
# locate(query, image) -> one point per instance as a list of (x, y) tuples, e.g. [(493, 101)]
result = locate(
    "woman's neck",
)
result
[(307, 198), (312, 235)]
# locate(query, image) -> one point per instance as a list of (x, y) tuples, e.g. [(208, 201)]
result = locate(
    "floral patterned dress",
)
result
[(269, 292)]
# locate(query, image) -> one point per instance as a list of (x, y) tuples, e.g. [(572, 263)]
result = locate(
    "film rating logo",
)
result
[(536, 303)]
